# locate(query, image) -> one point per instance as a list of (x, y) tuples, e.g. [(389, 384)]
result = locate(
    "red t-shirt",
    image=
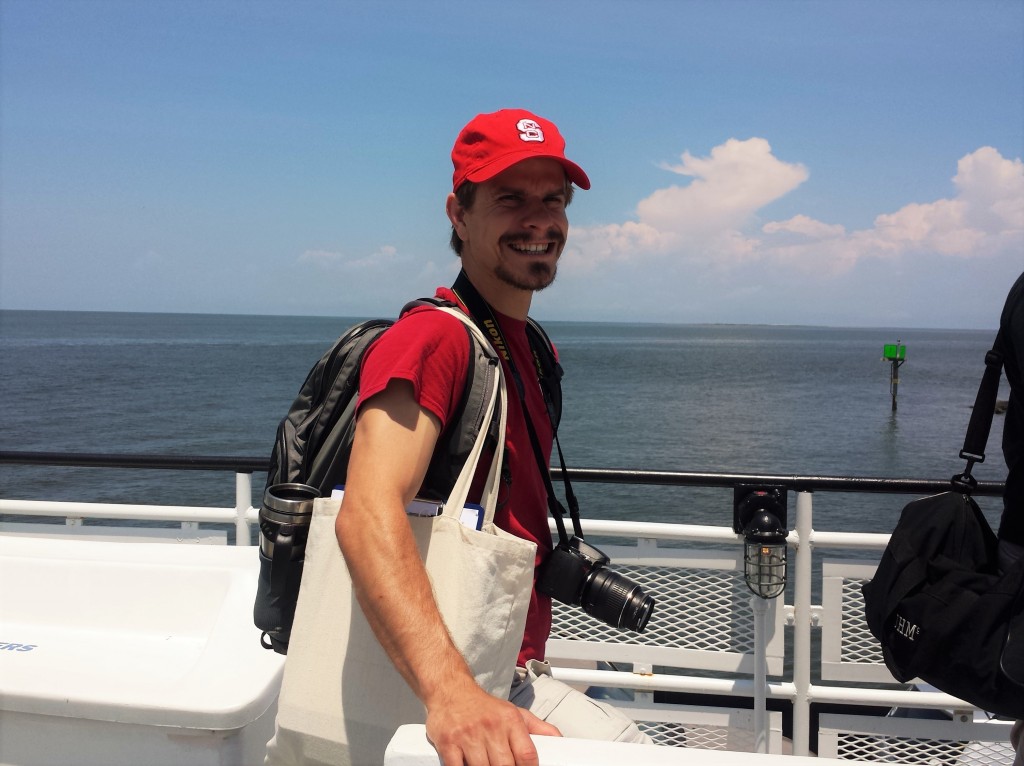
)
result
[(430, 349)]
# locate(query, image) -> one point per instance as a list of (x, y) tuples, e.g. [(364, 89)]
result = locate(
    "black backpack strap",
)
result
[(981, 417)]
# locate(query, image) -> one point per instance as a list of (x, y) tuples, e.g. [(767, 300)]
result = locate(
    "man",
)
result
[(511, 186), (1011, 525)]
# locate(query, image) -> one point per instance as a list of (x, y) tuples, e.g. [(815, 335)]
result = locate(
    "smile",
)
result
[(526, 247)]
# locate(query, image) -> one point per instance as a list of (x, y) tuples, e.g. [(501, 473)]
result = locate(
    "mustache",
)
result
[(553, 233)]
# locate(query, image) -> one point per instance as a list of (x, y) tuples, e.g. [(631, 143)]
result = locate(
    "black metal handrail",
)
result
[(233, 463), (240, 464)]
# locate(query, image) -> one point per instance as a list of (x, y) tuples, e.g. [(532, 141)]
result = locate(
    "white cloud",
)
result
[(992, 188), (804, 226), (330, 260), (739, 178), (711, 222), (984, 218), (589, 247), (703, 220), (373, 284)]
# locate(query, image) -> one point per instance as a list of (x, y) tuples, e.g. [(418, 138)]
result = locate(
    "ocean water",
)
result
[(748, 399)]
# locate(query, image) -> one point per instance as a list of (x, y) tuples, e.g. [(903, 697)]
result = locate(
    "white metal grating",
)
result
[(848, 650), (915, 741), (696, 609), (864, 747), (696, 726), (702, 618), (678, 735)]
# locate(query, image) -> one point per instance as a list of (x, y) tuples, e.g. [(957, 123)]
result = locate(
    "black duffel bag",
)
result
[(942, 610), (938, 603)]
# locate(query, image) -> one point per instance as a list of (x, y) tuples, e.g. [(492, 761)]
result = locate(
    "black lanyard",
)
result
[(484, 318)]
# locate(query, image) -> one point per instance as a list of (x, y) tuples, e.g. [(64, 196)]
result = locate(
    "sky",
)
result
[(838, 163)]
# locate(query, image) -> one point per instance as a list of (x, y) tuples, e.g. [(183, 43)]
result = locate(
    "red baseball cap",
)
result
[(494, 142)]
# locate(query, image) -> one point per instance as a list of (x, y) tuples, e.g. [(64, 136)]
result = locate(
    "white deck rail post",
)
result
[(802, 625), (761, 733), (243, 499)]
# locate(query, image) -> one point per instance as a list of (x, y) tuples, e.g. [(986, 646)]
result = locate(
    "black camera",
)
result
[(575, 573)]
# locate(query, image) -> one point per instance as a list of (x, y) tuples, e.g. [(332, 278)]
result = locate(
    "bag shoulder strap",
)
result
[(981, 417), (484, 416)]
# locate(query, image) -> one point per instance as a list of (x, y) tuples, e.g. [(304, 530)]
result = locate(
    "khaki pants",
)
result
[(573, 712)]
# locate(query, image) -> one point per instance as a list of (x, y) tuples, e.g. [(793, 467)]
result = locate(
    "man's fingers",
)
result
[(523, 749), (535, 725), (485, 731)]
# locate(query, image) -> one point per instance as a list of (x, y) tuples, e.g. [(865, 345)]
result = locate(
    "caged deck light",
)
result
[(759, 514)]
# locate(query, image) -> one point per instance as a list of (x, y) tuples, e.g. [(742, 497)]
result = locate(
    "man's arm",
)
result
[(394, 440)]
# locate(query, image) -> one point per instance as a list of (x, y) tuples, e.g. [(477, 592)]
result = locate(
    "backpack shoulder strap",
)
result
[(467, 421)]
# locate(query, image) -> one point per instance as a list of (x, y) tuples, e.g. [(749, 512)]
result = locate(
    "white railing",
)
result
[(715, 657), (801, 616), (242, 516)]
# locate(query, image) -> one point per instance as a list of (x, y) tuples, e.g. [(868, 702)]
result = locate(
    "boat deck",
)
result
[(693, 680)]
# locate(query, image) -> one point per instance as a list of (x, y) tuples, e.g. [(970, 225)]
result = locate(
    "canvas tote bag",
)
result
[(342, 699)]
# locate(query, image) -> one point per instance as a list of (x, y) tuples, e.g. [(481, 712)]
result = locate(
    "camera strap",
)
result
[(483, 315)]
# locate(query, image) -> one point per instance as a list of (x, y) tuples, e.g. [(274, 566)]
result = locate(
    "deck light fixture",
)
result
[(759, 514)]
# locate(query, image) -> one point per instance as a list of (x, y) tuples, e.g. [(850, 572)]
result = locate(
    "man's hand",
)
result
[(468, 726)]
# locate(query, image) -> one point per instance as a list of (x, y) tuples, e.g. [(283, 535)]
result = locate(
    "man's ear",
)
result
[(456, 214)]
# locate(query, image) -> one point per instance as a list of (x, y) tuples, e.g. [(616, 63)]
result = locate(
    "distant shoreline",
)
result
[(890, 329)]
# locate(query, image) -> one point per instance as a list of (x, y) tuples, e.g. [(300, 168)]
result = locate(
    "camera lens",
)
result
[(612, 598)]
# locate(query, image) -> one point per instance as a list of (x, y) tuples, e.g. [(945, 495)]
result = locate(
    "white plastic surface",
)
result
[(409, 747), (148, 634)]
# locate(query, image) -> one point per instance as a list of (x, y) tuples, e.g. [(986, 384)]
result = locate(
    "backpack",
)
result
[(314, 440)]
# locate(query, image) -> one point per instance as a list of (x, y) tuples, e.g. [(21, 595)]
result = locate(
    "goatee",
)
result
[(539, 276)]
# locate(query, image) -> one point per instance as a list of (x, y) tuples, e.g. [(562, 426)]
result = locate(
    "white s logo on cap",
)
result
[(529, 130)]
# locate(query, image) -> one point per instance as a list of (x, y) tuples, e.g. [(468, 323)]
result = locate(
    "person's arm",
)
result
[(394, 440)]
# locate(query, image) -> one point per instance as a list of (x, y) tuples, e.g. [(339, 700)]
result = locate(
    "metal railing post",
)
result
[(760, 609), (802, 625), (243, 499)]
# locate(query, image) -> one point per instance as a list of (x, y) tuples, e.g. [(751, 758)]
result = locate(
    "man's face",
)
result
[(516, 229)]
